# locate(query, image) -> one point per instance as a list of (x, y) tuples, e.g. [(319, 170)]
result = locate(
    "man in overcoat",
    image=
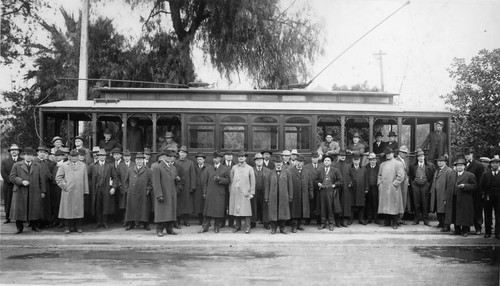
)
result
[(103, 187), (28, 192), (436, 142), (401, 156), (330, 180), (138, 185), (443, 184), (268, 163), (314, 203), (73, 180), (8, 185), (302, 182), (344, 193), (490, 189), (379, 146), (462, 200), (475, 167), (55, 190), (121, 172), (165, 191), (278, 196), (421, 175), (357, 180), (241, 191), (259, 207), (187, 185), (214, 191), (108, 143), (229, 163), (390, 177), (371, 175), (46, 167), (201, 176), (78, 141)]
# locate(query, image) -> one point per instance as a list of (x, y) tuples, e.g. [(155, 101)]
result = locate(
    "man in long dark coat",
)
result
[(187, 186), (490, 189), (138, 185), (344, 192), (46, 167), (357, 179), (463, 204), (135, 136), (475, 167), (329, 182), (103, 188), (302, 183), (8, 186), (55, 190), (165, 191), (379, 146), (421, 175), (278, 196), (443, 184), (436, 142), (28, 193), (371, 186), (214, 191), (268, 163), (108, 143), (121, 173), (228, 162), (259, 207), (201, 174)]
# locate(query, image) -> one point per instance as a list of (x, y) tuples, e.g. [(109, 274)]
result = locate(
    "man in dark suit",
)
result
[(268, 163), (437, 142), (490, 189), (104, 184), (7, 164), (314, 203), (46, 167), (121, 173), (259, 207), (371, 176), (378, 145), (421, 176), (475, 167), (463, 204), (108, 144), (229, 163), (329, 180)]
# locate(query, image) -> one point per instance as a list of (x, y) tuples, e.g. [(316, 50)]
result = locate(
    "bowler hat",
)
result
[(327, 156), (169, 135), (286, 153), (460, 161), (277, 159), (139, 156), (469, 151), (126, 153), (74, 152), (183, 148), (328, 134), (267, 151), (242, 153), (78, 137), (388, 150), (59, 152), (342, 152), (228, 152), (14, 147), (169, 153), (101, 152), (218, 154), (147, 151), (378, 134), (372, 156), (356, 156), (107, 131), (29, 151), (200, 155), (65, 150), (315, 155), (300, 158), (393, 134), (56, 138), (420, 152), (80, 151), (116, 150), (42, 148), (258, 156), (441, 158)]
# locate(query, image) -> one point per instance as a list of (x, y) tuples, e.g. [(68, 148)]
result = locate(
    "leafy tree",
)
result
[(474, 103), (273, 46)]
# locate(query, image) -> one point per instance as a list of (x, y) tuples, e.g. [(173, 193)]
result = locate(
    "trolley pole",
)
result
[(380, 54), (84, 60)]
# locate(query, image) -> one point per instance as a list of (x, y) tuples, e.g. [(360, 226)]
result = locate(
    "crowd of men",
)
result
[(59, 187)]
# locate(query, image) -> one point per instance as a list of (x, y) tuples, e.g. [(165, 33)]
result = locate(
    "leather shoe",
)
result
[(159, 233), (97, 226), (455, 233), (294, 230), (439, 225), (273, 231), (19, 230), (202, 230), (478, 232), (236, 229), (267, 226), (369, 221), (343, 224), (464, 234), (216, 229), (362, 222), (395, 226), (247, 230), (106, 226), (487, 235), (36, 229), (323, 226), (171, 232), (300, 228), (146, 227), (282, 230), (67, 231), (186, 223), (445, 230), (79, 230), (129, 227), (427, 223), (349, 222), (337, 224), (415, 223), (7, 221), (330, 227)]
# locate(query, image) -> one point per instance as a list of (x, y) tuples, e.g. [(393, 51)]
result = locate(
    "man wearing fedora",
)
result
[(286, 157), (165, 190), (268, 163), (330, 180), (103, 190), (201, 169), (169, 143), (490, 191), (302, 183), (278, 196), (241, 191), (392, 143), (46, 167), (72, 178), (443, 184), (8, 185), (475, 167), (462, 204), (214, 191), (436, 142), (108, 143), (138, 184), (121, 171), (28, 193), (314, 203), (259, 207), (421, 175), (379, 146), (391, 176), (371, 173), (187, 185), (329, 146), (344, 191)]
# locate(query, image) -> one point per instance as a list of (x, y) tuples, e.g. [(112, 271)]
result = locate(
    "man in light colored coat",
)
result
[(242, 190), (390, 177)]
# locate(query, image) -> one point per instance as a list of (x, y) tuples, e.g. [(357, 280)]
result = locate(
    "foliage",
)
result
[(272, 46), (474, 103), (357, 87)]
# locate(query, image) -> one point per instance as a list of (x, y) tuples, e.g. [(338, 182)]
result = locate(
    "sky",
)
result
[(419, 42)]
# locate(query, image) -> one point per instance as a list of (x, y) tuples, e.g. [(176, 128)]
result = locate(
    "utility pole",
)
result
[(84, 60), (380, 54)]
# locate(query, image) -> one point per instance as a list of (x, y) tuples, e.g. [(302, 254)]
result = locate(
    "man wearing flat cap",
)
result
[(302, 182), (391, 176), (8, 185), (421, 175), (436, 142), (475, 167), (442, 186), (241, 191), (28, 193), (214, 191), (329, 146), (490, 191)]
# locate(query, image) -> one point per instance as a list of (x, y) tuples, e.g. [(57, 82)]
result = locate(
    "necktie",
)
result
[(315, 166), (327, 170)]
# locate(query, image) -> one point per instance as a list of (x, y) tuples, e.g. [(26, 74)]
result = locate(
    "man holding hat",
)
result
[(443, 184), (260, 211), (187, 185), (138, 185), (214, 191), (372, 169), (103, 186), (461, 201), (329, 146), (421, 175), (278, 196), (241, 191), (72, 178), (8, 185), (28, 193), (201, 169), (490, 190), (437, 142), (390, 178), (475, 167), (302, 183), (165, 191)]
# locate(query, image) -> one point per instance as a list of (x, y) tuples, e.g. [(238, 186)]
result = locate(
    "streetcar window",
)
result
[(233, 119), (233, 137), (297, 137), (265, 138), (265, 120), (201, 137), (201, 119)]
